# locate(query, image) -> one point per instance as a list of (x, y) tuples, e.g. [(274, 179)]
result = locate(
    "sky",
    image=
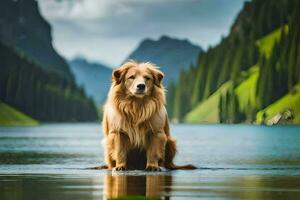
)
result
[(107, 31)]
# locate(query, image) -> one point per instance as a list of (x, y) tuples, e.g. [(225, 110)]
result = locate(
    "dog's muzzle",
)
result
[(140, 88)]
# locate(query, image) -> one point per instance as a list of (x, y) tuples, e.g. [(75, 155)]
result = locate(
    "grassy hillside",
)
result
[(246, 90), (12, 117), (236, 53), (266, 43), (289, 101), (208, 111)]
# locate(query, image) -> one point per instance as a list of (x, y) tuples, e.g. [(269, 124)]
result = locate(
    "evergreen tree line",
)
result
[(281, 71), (229, 109), (40, 93), (235, 53), (278, 74)]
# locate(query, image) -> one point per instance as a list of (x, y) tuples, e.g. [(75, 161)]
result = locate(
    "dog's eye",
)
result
[(131, 77), (147, 78)]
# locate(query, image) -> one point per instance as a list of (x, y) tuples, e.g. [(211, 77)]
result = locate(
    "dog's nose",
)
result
[(141, 87)]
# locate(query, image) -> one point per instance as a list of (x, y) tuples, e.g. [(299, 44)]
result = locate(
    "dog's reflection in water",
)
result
[(156, 186)]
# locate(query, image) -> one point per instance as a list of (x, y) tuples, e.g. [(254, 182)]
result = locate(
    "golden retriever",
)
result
[(135, 122)]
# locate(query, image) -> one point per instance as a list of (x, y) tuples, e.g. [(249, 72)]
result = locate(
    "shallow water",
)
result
[(235, 162)]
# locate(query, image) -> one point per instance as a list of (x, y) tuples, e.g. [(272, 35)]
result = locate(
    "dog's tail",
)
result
[(172, 166), (99, 167), (170, 154)]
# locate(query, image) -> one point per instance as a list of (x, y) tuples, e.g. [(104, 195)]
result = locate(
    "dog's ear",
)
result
[(116, 75), (158, 76), (119, 73)]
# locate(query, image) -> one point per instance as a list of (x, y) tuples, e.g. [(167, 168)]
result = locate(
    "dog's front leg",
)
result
[(121, 148), (109, 149), (156, 150)]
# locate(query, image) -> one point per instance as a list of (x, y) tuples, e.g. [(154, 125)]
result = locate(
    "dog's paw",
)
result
[(120, 168), (153, 168)]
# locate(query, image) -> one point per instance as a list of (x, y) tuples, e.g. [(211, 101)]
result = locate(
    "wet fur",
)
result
[(136, 129)]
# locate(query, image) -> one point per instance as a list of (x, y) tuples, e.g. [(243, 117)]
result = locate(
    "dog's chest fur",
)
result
[(138, 134), (138, 131)]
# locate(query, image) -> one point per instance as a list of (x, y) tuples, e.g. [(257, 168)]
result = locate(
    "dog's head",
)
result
[(138, 79)]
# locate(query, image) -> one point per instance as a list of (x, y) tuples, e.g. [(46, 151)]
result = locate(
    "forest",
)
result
[(42, 94), (251, 72)]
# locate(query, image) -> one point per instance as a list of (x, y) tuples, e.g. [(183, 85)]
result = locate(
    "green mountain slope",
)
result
[(10, 116), (266, 44), (247, 89), (41, 94), (34, 78), (255, 39), (24, 28), (208, 111), (290, 101)]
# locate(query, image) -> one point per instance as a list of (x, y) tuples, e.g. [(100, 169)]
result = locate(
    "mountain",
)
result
[(10, 116), (172, 55), (94, 77), (41, 94), (250, 76), (23, 28), (35, 79)]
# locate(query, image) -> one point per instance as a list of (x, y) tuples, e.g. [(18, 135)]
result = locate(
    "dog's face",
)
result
[(138, 79)]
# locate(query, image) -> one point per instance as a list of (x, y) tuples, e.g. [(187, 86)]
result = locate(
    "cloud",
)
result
[(84, 9), (108, 30)]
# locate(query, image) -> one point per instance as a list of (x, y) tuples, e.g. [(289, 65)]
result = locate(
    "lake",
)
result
[(235, 162)]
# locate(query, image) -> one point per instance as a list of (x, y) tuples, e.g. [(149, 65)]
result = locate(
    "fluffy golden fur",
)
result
[(135, 122)]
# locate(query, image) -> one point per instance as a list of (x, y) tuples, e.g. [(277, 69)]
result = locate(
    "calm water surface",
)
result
[(235, 162)]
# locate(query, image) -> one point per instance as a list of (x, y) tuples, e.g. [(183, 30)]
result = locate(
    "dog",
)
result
[(135, 122)]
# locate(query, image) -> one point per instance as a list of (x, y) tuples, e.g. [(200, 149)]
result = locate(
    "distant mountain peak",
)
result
[(171, 54), (79, 59), (95, 77), (165, 37), (24, 28)]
